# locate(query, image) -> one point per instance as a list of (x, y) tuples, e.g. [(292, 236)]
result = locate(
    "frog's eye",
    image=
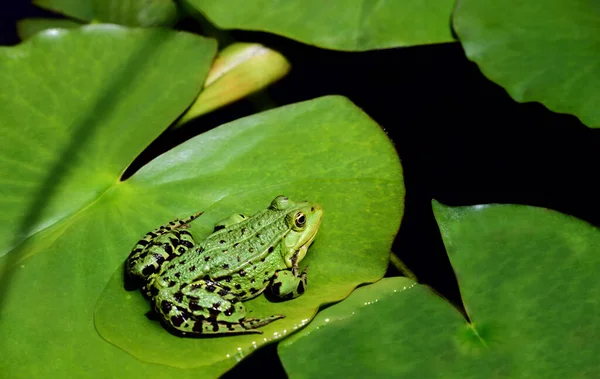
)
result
[(300, 219)]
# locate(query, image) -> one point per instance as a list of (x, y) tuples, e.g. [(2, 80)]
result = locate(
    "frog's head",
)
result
[(303, 219)]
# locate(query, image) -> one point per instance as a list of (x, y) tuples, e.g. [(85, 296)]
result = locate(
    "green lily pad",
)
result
[(124, 12), (30, 26), (337, 24), (86, 102), (528, 276), (538, 51)]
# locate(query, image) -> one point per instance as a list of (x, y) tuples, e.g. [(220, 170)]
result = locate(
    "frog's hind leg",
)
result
[(163, 229), (205, 308), (158, 246)]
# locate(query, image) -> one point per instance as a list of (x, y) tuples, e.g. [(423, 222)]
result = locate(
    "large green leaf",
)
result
[(529, 280), (544, 51), (337, 24), (86, 102), (124, 12)]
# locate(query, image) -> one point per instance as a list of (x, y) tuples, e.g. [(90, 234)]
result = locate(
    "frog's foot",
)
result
[(288, 284)]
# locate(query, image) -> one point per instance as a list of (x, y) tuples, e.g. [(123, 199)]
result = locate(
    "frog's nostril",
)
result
[(312, 209)]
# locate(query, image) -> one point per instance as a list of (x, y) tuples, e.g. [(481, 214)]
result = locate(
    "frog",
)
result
[(198, 288)]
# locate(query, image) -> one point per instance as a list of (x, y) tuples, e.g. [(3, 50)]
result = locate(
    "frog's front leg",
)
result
[(158, 246), (204, 307), (289, 284)]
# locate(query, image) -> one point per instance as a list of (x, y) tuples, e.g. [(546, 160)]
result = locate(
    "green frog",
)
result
[(198, 288)]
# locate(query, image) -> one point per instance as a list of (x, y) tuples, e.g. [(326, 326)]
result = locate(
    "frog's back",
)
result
[(230, 250)]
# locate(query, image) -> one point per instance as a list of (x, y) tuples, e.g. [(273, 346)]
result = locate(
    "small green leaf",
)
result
[(538, 51), (337, 24), (239, 70)]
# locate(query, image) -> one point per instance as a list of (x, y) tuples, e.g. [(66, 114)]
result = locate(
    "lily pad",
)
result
[(538, 51), (30, 26), (529, 281), (87, 101), (337, 24), (124, 12)]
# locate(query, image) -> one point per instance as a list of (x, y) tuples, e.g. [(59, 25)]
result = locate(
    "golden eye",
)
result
[(300, 219)]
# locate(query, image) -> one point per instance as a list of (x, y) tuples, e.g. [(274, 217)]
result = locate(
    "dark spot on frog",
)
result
[(206, 258), (300, 288), (177, 320), (168, 248), (182, 262), (193, 268), (242, 273), (178, 275), (183, 286), (244, 230), (238, 258), (178, 296), (142, 242), (148, 270), (165, 306), (218, 227), (210, 287), (171, 267), (238, 286), (257, 235), (242, 216), (266, 272), (215, 327), (227, 279), (254, 291), (251, 249), (194, 306), (312, 209), (153, 291), (276, 287), (225, 266), (184, 232), (181, 250), (158, 258), (227, 288), (223, 292), (229, 311), (171, 223), (236, 244), (225, 251), (172, 283), (222, 242), (187, 244), (230, 327), (197, 327), (252, 281), (152, 235), (216, 305), (271, 248), (200, 250), (242, 293), (174, 241)]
